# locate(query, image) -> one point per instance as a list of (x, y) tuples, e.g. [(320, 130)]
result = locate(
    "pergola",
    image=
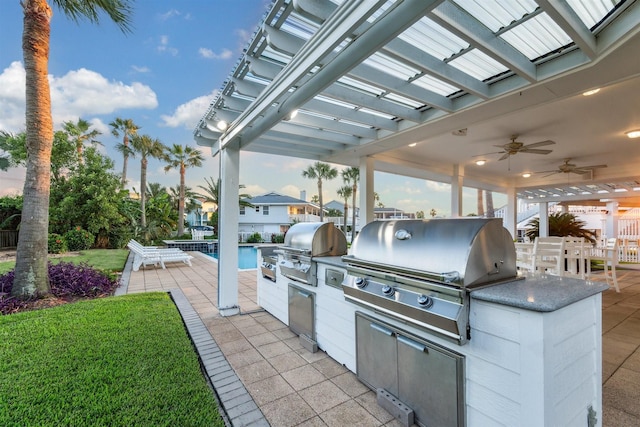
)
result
[(426, 88)]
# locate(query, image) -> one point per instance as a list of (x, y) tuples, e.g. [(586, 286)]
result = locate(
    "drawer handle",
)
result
[(381, 329), (413, 344)]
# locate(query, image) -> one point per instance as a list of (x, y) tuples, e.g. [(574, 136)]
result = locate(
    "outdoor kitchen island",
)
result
[(531, 356)]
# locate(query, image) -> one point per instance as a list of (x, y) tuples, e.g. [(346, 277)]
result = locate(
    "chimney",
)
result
[(303, 195)]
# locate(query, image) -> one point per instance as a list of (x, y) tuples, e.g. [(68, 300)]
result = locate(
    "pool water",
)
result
[(247, 257)]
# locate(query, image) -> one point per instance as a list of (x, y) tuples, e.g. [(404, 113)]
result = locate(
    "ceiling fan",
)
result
[(567, 168), (515, 147)]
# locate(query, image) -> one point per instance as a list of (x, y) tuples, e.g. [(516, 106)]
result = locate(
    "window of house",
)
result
[(241, 210), (257, 209), (265, 210)]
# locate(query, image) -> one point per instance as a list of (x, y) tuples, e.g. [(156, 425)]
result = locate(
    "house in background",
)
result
[(273, 213), (202, 214), (391, 213)]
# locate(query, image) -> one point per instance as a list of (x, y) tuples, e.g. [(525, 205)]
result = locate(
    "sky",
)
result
[(163, 75)]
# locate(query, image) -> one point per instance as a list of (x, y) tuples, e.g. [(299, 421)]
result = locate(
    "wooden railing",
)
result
[(8, 239)]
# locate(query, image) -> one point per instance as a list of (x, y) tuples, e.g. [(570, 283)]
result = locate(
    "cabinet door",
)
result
[(431, 383), (302, 312), (376, 355)]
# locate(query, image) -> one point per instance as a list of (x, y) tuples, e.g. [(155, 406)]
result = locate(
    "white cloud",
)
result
[(189, 113), (291, 190), (209, 54), (140, 69), (165, 47), (12, 181), (438, 187), (79, 93), (253, 190), (168, 15)]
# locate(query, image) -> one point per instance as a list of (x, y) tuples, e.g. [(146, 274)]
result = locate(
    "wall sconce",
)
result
[(633, 133)]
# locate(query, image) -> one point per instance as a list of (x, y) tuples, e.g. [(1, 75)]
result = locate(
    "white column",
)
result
[(510, 220), (228, 232), (456, 191), (544, 219), (365, 187), (612, 219)]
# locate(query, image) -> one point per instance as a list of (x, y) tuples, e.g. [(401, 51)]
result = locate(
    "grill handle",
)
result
[(304, 294), (381, 329), (413, 344)]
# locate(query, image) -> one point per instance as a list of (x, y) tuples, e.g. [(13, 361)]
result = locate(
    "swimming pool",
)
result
[(247, 257)]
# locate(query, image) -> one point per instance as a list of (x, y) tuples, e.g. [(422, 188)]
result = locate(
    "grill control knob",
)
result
[(360, 282), (388, 290), (425, 301)]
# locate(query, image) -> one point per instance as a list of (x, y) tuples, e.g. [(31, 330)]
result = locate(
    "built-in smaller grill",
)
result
[(269, 261), (421, 271), (304, 241)]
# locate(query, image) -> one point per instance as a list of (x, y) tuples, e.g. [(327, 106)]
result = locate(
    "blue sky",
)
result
[(163, 75)]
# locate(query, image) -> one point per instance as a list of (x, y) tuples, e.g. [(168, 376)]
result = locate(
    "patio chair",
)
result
[(577, 255), (548, 255), (149, 255), (609, 256)]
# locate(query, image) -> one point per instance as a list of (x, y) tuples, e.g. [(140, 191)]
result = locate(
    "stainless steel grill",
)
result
[(421, 271), (302, 243)]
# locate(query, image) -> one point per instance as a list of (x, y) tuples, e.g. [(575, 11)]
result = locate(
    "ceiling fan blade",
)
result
[(580, 171), (540, 144), (552, 173), (487, 154), (593, 167), (504, 156), (535, 151)]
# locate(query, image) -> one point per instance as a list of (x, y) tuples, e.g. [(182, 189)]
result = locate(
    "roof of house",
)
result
[(273, 198)]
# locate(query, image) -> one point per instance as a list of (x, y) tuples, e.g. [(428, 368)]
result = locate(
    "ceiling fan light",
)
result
[(480, 162), (633, 133)]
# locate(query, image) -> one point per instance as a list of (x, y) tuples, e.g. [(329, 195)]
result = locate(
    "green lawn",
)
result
[(117, 361), (111, 260)]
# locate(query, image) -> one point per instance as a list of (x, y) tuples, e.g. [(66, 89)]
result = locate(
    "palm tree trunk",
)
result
[(489, 199), (346, 207), (125, 160), (143, 192), (181, 202), (480, 203), (353, 212), (320, 199), (31, 275)]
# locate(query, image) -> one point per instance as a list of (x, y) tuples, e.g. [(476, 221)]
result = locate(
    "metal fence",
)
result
[(8, 239)]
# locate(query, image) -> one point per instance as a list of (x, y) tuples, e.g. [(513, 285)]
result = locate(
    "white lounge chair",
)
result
[(150, 255)]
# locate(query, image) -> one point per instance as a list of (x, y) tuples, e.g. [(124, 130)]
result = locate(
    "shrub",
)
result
[(79, 239), (277, 238), (254, 238), (57, 244), (67, 280)]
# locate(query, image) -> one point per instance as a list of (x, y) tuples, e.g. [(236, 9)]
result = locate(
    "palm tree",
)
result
[(561, 224), (351, 176), (80, 134), (345, 192), (320, 171), (479, 202), (182, 157), (488, 195), (146, 147), (128, 129), (212, 194), (31, 273)]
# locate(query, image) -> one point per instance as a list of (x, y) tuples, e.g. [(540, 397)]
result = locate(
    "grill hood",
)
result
[(466, 252), (315, 239)]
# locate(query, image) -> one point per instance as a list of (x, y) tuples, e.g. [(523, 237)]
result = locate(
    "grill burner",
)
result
[(421, 271), (304, 241)]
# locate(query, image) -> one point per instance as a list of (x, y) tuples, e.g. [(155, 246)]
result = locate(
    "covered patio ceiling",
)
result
[(457, 78)]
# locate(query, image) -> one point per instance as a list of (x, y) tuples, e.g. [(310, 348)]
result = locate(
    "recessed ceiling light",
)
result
[(591, 92), (526, 175), (480, 162), (413, 144), (633, 133), (222, 125)]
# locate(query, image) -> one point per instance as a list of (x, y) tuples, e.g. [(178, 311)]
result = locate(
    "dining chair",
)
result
[(577, 256), (609, 257), (549, 255)]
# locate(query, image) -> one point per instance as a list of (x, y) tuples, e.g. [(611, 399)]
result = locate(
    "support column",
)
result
[(228, 219), (612, 219), (456, 191), (510, 220), (365, 187), (544, 219)]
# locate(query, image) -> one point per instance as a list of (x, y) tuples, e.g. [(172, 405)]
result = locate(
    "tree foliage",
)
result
[(320, 172), (561, 224)]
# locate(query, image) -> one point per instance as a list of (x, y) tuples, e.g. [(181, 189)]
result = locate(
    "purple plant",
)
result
[(66, 279)]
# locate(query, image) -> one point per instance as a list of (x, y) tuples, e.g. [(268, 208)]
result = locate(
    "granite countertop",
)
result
[(540, 292)]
